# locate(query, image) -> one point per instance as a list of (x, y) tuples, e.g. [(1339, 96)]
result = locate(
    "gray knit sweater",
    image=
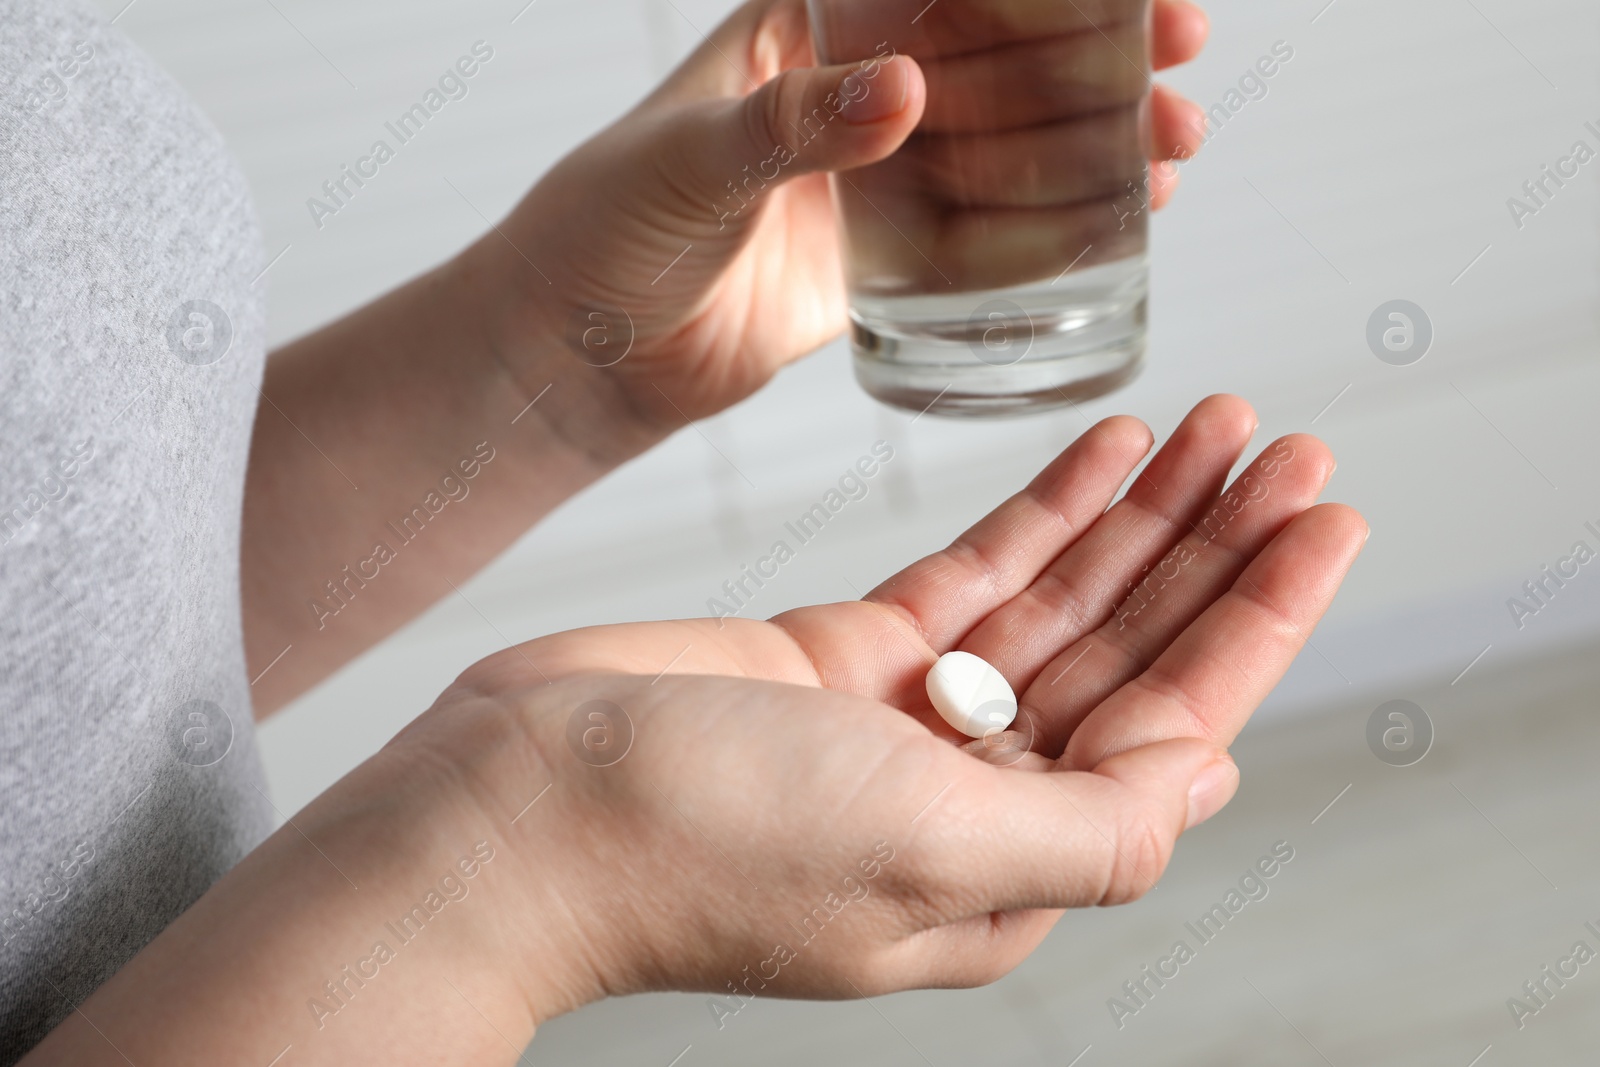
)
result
[(131, 348)]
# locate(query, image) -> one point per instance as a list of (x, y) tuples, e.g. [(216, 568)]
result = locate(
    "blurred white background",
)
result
[(1378, 166)]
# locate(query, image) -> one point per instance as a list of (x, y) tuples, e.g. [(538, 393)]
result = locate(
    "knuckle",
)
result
[(974, 561), (1142, 850), (1063, 599), (926, 886), (917, 897), (770, 105), (1168, 690)]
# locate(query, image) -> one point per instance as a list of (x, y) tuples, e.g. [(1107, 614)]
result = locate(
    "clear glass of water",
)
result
[(997, 262)]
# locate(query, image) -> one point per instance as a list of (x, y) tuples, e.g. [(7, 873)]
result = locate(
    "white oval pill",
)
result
[(970, 695)]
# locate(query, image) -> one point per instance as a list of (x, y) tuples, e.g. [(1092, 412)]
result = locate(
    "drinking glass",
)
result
[(997, 262)]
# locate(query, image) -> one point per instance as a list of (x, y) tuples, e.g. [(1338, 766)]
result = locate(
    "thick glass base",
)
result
[(1005, 352)]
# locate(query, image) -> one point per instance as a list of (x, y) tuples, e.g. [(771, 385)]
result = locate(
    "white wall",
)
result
[(1378, 167)]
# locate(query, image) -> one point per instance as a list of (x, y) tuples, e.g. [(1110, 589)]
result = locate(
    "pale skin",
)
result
[(395, 395), (774, 759)]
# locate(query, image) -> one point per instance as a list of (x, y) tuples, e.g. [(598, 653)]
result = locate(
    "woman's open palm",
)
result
[(1140, 633), (1170, 612)]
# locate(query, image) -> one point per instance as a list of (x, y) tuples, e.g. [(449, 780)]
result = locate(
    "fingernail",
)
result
[(874, 94), (1212, 788)]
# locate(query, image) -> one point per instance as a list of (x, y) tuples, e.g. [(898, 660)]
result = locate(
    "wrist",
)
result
[(557, 359), (373, 927), (501, 782)]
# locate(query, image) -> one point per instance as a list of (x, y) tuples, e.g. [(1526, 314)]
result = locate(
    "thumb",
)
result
[(1066, 839), (1134, 806), (805, 120)]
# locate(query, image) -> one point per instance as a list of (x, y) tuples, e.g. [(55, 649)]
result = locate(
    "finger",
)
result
[(1003, 841), (1032, 83), (1204, 563), (986, 946), (1177, 125), (962, 213), (1055, 77), (1223, 665), (986, 248), (755, 43), (1178, 32), (1095, 157), (722, 156), (951, 27), (1076, 593), (947, 593), (1164, 179), (882, 645)]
